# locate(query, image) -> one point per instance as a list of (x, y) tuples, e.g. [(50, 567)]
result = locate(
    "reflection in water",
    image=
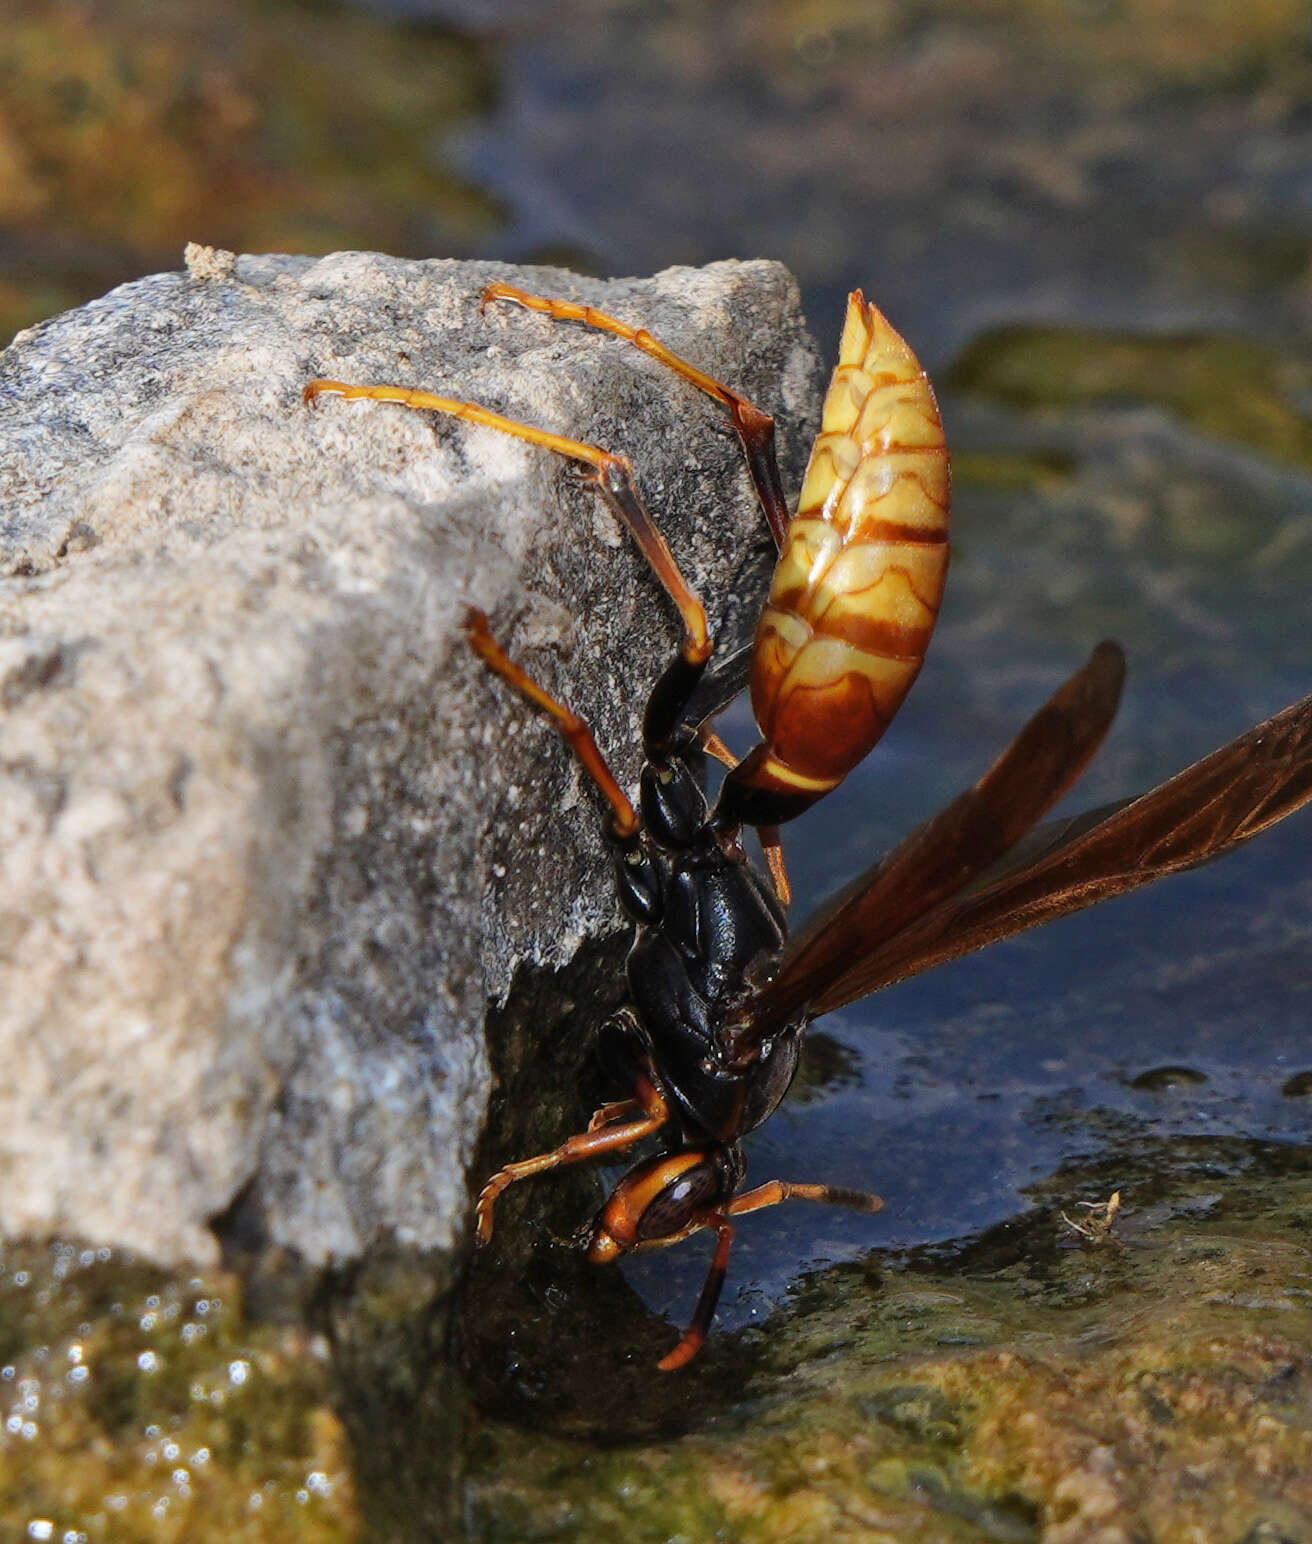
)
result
[(1168, 1077)]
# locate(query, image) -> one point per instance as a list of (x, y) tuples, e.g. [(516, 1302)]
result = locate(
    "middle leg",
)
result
[(611, 475)]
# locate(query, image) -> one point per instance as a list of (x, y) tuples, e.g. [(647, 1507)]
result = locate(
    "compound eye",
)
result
[(675, 1207)]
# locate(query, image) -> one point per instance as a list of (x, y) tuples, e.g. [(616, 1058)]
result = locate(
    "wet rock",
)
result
[(272, 839), (140, 1404), (1038, 1387)]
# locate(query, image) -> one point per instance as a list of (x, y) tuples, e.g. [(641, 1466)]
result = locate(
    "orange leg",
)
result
[(621, 1109), (777, 1190), (574, 729), (713, 745), (611, 475), (755, 428), (575, 1149), (694, 1337)]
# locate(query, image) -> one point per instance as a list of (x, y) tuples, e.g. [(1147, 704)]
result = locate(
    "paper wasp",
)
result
[(719, 995)]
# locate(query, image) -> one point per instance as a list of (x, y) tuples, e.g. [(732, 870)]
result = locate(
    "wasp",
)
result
[(719, 995)]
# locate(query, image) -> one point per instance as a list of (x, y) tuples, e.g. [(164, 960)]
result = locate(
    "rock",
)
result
[(1028, 1385), (272, 839)]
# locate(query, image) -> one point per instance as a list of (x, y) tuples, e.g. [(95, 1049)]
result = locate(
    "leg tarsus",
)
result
[(694, 1337), (602, 461), (575, 1149)]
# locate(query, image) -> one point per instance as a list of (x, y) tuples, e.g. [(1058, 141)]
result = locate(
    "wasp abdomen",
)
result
[(858, 585)]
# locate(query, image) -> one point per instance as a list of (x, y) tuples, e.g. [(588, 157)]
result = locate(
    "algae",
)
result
[(142, 1405), (1033, 1385)]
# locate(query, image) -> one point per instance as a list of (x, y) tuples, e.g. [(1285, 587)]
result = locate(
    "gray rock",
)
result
[(272, 839)]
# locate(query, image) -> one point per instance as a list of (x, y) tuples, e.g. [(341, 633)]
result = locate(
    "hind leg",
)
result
[(755, 428)]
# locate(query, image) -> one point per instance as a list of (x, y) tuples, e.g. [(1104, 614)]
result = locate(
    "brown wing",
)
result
[(945, 853), (1200, 814)]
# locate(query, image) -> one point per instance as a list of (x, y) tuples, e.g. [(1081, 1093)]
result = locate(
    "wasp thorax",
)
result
[(674, 807)]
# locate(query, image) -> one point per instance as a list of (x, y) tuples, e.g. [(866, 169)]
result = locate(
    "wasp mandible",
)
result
[(719, 996)]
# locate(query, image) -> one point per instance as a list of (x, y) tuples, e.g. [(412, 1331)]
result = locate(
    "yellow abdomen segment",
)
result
[(858, 585)]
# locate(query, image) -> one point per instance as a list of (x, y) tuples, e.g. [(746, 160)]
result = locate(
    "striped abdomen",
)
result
[(857, 589)]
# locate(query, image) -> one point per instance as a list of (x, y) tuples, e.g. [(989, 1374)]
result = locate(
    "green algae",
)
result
[(1036, 1385), (1229, 388), (142, 1405)]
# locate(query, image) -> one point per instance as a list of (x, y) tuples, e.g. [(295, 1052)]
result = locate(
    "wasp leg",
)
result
[(573, 728), (771, 845), (755, 429), (777, 1190), (713, 745), (770, 1194), (694, 1337), (621, 1109), (611, 475), (575, 1149), (470, 412)]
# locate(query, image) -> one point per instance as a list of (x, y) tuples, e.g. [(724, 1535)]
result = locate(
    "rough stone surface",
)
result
[(272, 839)]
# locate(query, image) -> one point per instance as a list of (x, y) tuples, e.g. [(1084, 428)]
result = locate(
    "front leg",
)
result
[(576, 1149)]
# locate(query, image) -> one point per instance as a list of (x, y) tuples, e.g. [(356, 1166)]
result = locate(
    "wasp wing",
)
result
[(1198, 815), (945, 853)]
